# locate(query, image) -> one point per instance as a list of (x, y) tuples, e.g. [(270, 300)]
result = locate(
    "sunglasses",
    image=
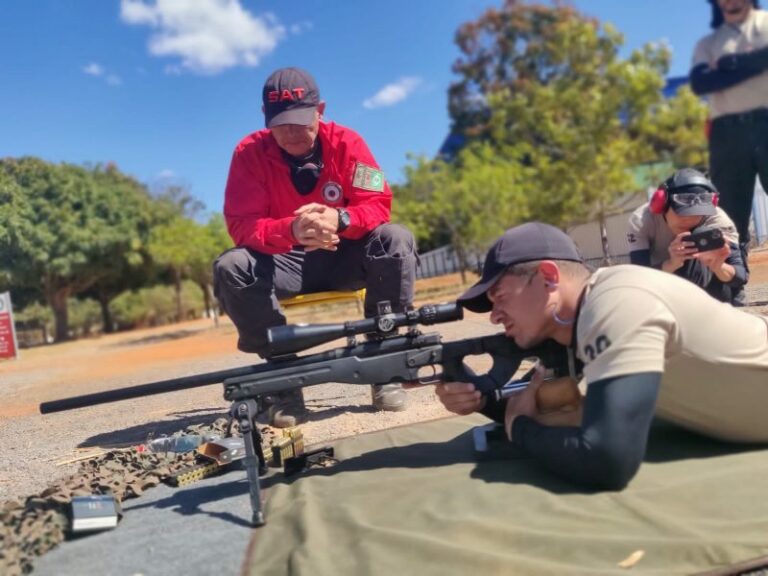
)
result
[(686, 199)]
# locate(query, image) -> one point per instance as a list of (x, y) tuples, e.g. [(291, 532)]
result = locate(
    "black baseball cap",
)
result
[(290, 96), (525, 243)]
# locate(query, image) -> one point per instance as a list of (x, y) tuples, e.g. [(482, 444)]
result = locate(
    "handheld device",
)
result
[(707, 239)]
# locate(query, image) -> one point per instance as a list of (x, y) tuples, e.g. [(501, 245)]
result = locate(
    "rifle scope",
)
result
[(297, 337)]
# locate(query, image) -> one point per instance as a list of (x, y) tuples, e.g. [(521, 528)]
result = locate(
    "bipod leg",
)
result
[(246, 411)]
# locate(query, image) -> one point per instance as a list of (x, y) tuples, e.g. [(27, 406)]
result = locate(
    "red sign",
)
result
[(8, 348)]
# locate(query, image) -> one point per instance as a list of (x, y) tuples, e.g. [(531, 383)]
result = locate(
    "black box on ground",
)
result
[(491, 443)]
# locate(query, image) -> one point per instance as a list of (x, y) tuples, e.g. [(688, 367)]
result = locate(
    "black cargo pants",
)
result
[(248, 284), (738, 153)]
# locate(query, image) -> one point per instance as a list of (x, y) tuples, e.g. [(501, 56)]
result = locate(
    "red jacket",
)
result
[(260, 197)]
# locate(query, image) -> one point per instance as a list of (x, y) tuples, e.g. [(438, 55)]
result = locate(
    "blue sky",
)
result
[(166, 88)]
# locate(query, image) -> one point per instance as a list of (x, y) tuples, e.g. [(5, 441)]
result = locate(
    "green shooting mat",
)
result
[(416, 500)]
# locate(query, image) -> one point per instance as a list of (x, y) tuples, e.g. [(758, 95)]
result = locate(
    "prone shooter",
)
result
[(384, 356)]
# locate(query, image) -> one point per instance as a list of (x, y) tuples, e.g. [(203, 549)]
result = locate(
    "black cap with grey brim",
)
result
[(290, 96), (524, 243)]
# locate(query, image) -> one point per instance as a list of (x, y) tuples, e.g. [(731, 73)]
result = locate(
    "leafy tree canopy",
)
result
[(554, 121), (64, 227)]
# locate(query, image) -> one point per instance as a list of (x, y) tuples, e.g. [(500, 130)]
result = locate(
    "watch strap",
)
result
[(344, 219)]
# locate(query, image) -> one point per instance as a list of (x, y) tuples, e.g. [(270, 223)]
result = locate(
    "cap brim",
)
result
[(697, 210), (299, 116), (476, 298)]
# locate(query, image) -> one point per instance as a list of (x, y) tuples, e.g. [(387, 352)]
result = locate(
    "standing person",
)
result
[(730, 67), (651, 343), (659, 231), (308, 210)]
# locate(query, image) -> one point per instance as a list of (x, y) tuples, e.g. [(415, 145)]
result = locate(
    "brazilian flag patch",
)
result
[(368, 178)]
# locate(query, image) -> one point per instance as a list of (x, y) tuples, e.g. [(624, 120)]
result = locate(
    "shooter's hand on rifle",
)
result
[(460, 397), (553, 402)]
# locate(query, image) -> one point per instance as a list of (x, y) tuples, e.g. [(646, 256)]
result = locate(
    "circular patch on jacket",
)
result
[(332, 192)]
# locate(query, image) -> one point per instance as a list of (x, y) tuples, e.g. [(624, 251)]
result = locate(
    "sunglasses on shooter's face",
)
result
[(684, 199)]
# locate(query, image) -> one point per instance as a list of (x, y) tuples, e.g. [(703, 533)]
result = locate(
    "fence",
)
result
[(444, 260), (760, 214)]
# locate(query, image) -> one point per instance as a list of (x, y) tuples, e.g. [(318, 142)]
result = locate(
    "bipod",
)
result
[(245, 411)]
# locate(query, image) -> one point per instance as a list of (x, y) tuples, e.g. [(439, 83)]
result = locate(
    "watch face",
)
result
[(343, 219)]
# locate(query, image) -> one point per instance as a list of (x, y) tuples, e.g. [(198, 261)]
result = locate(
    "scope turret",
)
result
[(297, 337)]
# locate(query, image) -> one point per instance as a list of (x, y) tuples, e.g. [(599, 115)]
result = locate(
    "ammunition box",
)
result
[(282, 448)]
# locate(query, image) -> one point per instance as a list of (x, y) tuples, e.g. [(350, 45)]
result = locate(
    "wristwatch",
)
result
[(344, 220)]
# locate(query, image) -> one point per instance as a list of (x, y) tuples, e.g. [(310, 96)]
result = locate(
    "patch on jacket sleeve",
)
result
[(368, 178)]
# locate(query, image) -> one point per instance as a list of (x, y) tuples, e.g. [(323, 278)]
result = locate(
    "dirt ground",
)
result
[(38, 450), (109, 361), (758, 262)]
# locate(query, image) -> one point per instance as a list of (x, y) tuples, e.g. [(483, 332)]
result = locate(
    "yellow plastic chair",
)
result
[(330, 297)]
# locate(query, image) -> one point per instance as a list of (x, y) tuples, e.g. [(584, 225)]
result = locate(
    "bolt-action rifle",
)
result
[(383, 356)]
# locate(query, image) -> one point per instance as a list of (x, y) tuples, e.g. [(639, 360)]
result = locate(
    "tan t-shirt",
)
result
[(713, 357), (649, 231), (731, 39)]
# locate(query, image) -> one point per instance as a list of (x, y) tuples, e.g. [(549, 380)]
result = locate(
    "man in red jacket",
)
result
[(308, 210)]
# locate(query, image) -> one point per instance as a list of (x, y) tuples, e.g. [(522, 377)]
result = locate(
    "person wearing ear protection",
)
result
[(658, 235), (308, 209), (650, 344)]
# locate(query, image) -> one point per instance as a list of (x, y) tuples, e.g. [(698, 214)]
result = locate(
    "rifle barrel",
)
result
[(161, 387)]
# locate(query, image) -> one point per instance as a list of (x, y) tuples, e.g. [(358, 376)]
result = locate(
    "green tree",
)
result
[(554, 122), (155, 305), (568, 111), (187, 249), (132, 268), (676, 133), (33, 324), (465, 203), (176, 200), (214, 239), (414, 202), (174, 246), (63, 229), (84, 316)]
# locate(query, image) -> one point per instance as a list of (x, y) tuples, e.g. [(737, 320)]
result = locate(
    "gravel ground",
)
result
[(34, 446)]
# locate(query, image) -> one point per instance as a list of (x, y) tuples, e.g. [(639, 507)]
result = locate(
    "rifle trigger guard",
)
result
[(433, 378)]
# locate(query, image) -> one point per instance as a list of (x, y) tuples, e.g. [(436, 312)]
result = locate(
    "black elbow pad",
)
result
[(698, 80)]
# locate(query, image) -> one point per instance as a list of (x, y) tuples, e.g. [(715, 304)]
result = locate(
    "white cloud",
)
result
[(207, 35), (165, 174), (93, 69), (393, 93), (300, 28), (98, 71)]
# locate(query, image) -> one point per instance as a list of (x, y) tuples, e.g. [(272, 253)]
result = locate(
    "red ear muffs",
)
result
[(658, 204), (679, 182)]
